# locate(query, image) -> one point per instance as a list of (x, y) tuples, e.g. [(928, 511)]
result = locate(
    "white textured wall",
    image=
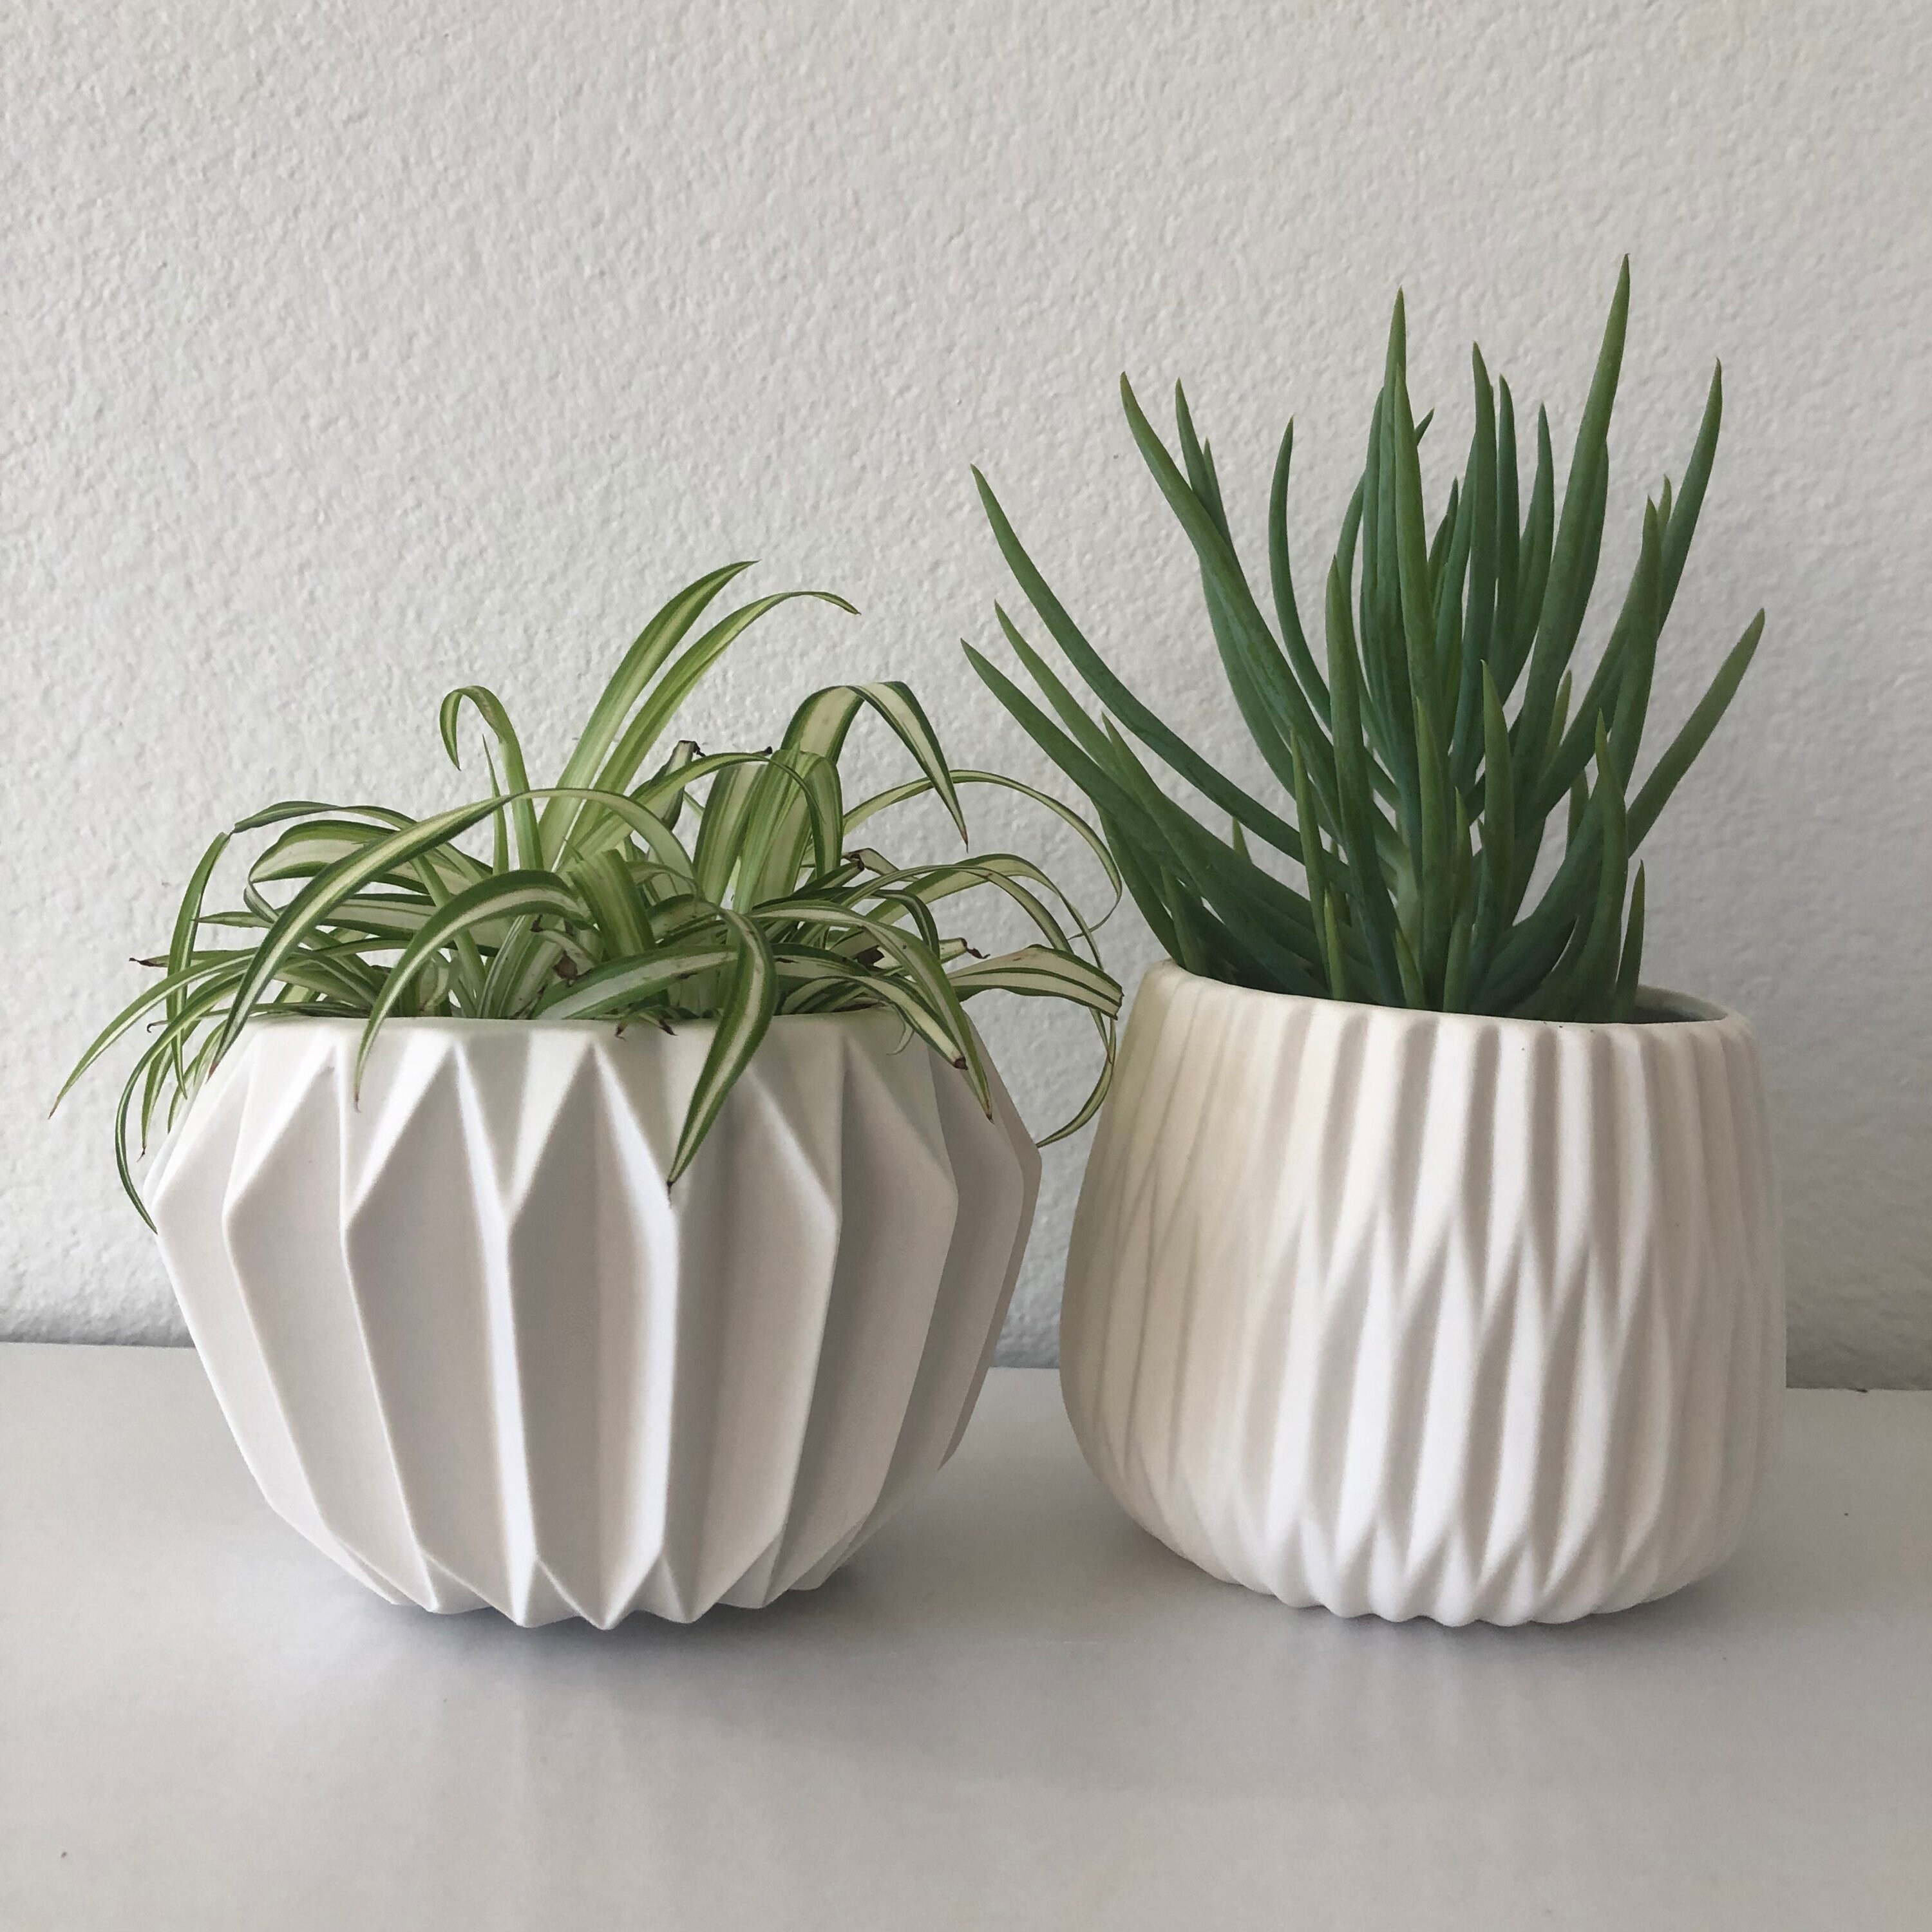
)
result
[(352, 352)]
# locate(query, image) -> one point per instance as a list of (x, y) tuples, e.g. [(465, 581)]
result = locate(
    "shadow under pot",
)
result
[(473, 1348), (1416, 1314)]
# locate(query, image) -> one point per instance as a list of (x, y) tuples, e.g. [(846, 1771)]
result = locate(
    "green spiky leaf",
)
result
[(1454, 644)]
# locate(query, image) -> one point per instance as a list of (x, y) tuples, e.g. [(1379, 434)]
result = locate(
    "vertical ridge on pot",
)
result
[(1424, 1314), (885, 1276), (289, 1198), (433, 1323)]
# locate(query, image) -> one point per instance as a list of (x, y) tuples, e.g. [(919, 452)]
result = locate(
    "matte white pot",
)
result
[(473, 1348), (1427, 1315)]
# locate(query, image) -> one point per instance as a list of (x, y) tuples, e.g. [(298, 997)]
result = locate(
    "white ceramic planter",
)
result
[(1428, 1315), (472, 1348)]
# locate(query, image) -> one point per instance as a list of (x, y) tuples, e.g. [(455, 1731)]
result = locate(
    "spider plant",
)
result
[(1416, 795), (728, 887)]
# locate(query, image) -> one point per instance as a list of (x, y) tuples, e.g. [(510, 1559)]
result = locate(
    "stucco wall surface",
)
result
[(354, 353)]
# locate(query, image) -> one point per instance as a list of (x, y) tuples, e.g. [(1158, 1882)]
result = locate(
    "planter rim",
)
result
[(865, 1028), (473, 1026), (1680, 1012)]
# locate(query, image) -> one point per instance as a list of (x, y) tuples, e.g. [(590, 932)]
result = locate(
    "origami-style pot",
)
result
[(1428, 1314), (474, 1348)]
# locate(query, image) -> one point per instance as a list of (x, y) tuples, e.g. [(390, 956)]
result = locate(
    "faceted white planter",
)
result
[(1427, 1315), (473, 1348)]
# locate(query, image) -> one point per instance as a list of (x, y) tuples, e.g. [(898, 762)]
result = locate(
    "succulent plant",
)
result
[(593, 904), (1421, 762)]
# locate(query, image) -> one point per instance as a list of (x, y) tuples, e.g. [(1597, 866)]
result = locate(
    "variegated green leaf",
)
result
[(509, 895), (769, 901), (750, 999)]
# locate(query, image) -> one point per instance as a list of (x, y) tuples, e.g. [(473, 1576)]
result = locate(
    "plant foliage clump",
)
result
[(726, 885), (1422, 760)]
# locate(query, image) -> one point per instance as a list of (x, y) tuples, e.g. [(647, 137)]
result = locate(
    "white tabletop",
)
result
[(1012, 1709)]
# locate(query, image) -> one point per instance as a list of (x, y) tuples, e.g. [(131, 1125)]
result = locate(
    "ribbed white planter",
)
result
[(1427, 1315), (473, 1349)]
